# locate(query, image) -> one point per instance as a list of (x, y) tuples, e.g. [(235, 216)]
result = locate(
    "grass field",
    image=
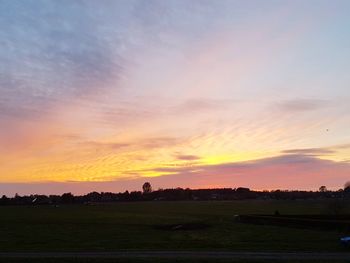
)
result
[(118, 226)]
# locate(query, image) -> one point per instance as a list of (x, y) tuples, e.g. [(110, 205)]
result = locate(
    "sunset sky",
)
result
[(105, 95)]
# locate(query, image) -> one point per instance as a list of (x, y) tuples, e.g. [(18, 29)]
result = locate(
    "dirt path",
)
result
[(184, 254)]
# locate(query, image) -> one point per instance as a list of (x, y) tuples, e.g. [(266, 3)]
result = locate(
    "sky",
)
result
[(105, 95)]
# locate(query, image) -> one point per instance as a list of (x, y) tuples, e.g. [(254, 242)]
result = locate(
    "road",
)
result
[(183, 254)]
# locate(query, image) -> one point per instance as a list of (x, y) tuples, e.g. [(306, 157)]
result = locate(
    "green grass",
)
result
[(131, 226)]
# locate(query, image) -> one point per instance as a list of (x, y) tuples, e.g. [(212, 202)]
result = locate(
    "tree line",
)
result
[(176, 194)]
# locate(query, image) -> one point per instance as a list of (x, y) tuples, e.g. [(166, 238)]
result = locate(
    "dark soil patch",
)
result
[(300, 221), (183, 226)]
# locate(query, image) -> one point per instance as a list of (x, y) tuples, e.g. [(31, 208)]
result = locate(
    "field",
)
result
[(158, 226)]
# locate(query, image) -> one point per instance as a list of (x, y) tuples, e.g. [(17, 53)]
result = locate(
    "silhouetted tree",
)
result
[(347, 186), (93, 197), (4, 200), (147, 188), (323, 189), (67, 198), (347, 189)]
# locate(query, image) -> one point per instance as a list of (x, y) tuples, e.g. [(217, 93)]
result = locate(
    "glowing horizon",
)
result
[(181, 93)]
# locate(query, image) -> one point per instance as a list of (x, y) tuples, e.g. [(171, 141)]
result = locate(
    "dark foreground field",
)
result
[(157, 226)]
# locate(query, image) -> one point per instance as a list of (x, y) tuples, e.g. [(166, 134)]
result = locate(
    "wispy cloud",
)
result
[(184, 157), (144, 143), (300, 105), (322, 151), (200, 105), (285, 171), (310, 151), (54, 51), (102, 145)]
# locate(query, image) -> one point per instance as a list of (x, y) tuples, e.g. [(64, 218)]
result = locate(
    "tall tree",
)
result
[(147, 188)]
